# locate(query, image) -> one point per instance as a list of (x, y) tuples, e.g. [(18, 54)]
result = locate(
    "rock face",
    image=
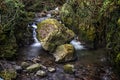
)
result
[(52, 34), (64, 53)]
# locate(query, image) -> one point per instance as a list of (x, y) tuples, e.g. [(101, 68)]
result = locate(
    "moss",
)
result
[(76, 15), (68, 68), (118, 22), (118, 2), (8, 74)]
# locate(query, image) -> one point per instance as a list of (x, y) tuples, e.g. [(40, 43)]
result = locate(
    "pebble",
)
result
[(50, 69), (41, 73)]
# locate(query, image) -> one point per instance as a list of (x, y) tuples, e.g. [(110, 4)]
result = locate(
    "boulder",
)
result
[(52, 34), (64, 53)]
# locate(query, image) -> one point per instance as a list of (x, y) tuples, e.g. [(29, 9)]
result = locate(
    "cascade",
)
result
[(36, 42), (77, 44)]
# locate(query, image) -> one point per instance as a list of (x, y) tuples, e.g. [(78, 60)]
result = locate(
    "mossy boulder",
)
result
[(8, 74), (52, 34), (64, 53), (69, 68)]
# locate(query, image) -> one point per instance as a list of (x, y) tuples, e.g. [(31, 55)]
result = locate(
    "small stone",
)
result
[(41, 73), (24, 64), (50, 69), (33, 67), (69, 68), (43, 67)]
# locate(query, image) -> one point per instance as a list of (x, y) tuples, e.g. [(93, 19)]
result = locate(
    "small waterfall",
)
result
[(36, 42), (77, 44)]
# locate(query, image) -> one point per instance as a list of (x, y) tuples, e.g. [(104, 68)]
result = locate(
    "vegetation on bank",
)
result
[(97, 21)]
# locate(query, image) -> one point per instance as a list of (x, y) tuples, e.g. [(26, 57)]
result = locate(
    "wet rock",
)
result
[(41, 73), (24, 64), (69, 68), (64, 53), (51, 69), (33, 67), (52, 34)]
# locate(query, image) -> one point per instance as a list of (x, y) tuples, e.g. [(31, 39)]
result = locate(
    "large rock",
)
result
[(64, 53), (52, 34)]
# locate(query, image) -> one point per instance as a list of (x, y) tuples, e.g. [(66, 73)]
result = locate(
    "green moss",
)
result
[(8, 74), (68, 68), (118, 22), (118, 2)]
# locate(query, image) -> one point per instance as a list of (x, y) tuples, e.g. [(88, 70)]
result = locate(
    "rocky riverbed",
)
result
[(90, 65)]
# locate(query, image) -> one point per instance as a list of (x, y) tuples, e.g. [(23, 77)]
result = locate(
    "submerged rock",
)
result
[(33, 67), (52, 34), (50, 69), (64, 53), (41, 73), (69, 68)]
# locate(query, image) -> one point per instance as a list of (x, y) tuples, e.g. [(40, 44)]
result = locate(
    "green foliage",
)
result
[(12, 17), (112, 30)]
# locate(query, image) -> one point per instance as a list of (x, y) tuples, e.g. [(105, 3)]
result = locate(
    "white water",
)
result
[(77, 44), (36, 42)]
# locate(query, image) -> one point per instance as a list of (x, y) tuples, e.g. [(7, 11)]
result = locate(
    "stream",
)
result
[(90, 64)]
